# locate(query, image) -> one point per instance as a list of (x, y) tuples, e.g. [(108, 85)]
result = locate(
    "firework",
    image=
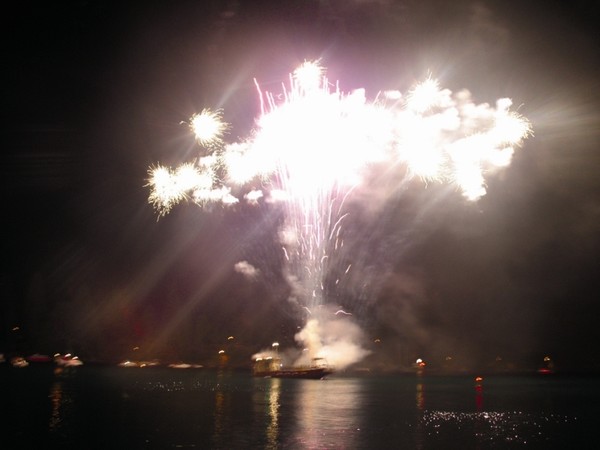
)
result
[(312, 146), (318, 139), (171, 186), (208, 127)]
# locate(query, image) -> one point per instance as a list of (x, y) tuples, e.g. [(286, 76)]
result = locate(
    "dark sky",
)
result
[(95, 92)]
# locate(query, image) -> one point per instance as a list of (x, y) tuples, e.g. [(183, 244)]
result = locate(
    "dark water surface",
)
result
[(161, 408)]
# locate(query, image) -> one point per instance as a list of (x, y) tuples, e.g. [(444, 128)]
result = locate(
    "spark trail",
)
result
[(312, 148)]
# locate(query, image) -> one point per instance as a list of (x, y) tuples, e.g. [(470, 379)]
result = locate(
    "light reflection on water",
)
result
[(420, 440), (266, 405), (307, 413), (61, 399), (156, 409), (501, 427), (221, 417), (273, 424), (56, 395), (328, 413)]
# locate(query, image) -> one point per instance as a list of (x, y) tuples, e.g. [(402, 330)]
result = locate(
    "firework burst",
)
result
[(209, 127), (314, 143), (318, 139)]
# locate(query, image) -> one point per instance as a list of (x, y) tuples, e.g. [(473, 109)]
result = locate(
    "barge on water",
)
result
[(273, 368)]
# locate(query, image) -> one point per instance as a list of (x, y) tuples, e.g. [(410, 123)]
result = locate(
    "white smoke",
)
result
[(247, 269), (334, 337)]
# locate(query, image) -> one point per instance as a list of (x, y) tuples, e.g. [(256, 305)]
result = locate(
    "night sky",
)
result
[(94, 94)]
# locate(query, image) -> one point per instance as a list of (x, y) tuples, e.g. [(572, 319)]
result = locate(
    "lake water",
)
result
[(95, 407)]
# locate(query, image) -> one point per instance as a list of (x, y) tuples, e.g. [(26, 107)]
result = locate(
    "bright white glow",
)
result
[(309, 76), (312, 140), (253, 196), (208, 127), (312, 147)]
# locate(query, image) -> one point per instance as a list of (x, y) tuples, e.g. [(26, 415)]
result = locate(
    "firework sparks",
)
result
[(311, 149), (208, 127), (318, 139), (171, 186)]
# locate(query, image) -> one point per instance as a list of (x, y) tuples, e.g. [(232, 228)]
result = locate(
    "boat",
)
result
[(269, 367), (142, 364), (67, 360), (547, 366), (38, 358), (184, 365), (18, 361)]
